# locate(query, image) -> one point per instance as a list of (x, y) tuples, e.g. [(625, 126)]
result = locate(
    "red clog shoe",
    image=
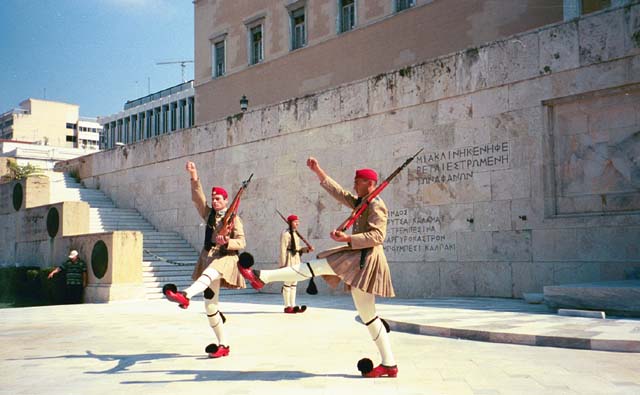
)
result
[(253, 276), (299, 309), (289, 310), (365, 366), (381, 370), (172, 293), (217, 351)]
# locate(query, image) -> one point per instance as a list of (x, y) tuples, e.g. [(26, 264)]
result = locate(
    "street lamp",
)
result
[(244, 102)]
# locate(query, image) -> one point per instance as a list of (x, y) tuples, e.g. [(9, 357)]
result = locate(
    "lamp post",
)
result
[(244, 103)]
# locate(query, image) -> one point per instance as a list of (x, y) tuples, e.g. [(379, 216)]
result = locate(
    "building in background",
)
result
[(50, 123), (159, 113), (275, 50)]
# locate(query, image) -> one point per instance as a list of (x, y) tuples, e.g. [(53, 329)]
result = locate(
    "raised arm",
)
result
[(197, 195), (312, 163)]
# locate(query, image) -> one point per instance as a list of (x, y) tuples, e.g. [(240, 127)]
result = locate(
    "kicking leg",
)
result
[(183, 297), (298, 272)]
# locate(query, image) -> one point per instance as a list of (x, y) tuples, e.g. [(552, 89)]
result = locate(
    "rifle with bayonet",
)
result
[(227, 220), (296, 230), (366, 200)]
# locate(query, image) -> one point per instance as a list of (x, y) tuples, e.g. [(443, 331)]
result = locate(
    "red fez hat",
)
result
[(367, 174), (219, 191), (292, 217)]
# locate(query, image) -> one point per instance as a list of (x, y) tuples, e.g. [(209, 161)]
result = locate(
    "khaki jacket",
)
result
[(224, 263), (286, 257), (368, 234)]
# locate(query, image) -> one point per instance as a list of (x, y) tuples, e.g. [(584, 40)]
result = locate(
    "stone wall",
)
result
[(529, 174)]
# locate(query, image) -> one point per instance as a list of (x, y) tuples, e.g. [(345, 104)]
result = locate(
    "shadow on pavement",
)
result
[(124, 362), (233, 375)]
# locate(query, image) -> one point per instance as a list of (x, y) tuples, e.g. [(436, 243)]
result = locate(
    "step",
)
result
[(613, 297)]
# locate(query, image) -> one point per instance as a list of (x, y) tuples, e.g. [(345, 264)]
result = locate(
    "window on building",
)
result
[(174, 113), (156, 122), (141, 126), (165, 119), (149, 118), (71, 125), (218, 59), (404, 4), (134, 128), (256, 45), (192, 111), (346, 15), (589, 6), (182, 113), (298, 29)]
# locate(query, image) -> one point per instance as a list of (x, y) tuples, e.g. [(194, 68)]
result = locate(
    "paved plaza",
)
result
[(153, 347)]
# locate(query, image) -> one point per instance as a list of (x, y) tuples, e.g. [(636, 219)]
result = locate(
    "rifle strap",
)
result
[(208, 233), (363, 256)]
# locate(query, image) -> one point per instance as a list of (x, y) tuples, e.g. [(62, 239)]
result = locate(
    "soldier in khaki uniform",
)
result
[(217, 264), (361, 264), (290, 251)]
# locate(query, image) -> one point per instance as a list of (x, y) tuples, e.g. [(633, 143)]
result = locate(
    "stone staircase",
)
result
[(158, 247)]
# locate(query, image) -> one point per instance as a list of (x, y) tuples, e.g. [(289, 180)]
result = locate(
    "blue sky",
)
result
[(94, 53)]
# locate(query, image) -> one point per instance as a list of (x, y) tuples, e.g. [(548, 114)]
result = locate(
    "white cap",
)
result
[(73, 254)]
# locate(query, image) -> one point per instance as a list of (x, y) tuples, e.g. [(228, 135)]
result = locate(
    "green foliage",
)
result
[(19, 172), (29, 286)]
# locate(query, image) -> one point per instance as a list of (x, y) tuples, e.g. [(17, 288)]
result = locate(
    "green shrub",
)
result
[(29, 286)]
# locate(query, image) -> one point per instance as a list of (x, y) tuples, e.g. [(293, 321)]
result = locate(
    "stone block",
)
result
[(531, 276), (472, 70), (492, 215), (454, 217), (409, 84), (8, 230), (55, 220), (632, 30), (421, 117), (514, 59), (510, 184), (586, 79), (454, 110), (493, 279), (511, 245), (472, 132), (415, 279), (525, 214), (440, 78), (530, 93), (354, 101), (474, 246), (457, 279), (326, 109), (614, 297), (382, 93), (572, 272), (582, 313), (555, 245), (609, 244), (559, 49), (490, 101), (602, 38)]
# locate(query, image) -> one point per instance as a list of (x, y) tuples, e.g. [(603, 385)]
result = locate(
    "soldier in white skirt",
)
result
[(217, 263), (290, 251), (361, 264)]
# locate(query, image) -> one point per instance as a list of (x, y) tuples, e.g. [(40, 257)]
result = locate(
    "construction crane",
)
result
[(182, 63)]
